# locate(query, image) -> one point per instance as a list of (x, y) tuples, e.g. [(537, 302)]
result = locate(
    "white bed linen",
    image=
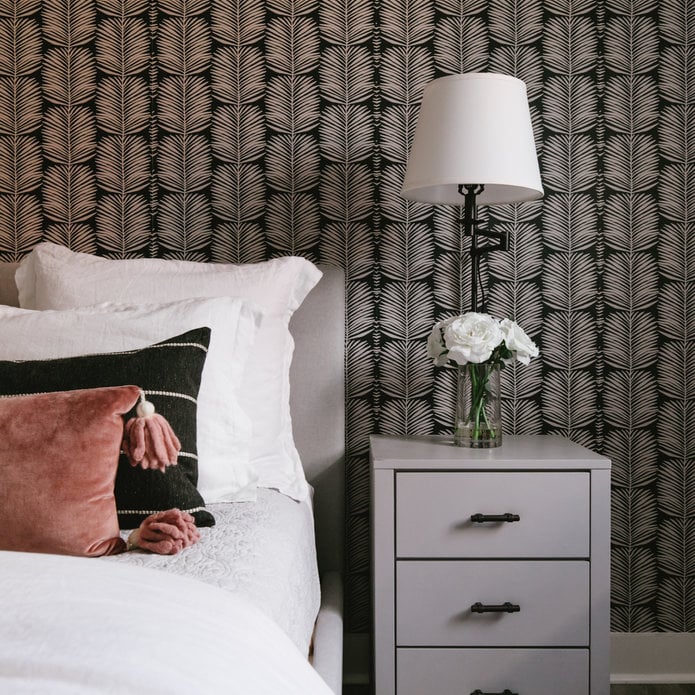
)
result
[(263, 550), (78, 626)]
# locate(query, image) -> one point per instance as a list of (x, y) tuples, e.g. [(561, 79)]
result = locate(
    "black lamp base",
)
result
[(470, 193)]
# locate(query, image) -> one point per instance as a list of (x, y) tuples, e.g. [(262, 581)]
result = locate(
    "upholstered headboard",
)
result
[(317, 400), (318, 407)]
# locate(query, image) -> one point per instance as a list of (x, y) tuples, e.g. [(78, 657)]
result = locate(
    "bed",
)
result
[(249, 590)]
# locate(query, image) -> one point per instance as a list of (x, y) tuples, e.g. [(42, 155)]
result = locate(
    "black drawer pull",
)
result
[(482, 518), (505, 607), (506, 691)]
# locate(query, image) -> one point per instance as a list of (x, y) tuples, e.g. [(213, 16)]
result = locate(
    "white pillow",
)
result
[(224, 430), (53, 277)]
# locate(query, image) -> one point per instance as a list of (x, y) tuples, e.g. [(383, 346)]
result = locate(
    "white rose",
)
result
[(518, 342), (472, 337), (435, 346)]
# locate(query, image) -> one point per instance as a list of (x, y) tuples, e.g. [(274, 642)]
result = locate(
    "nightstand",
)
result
[(491, 567)]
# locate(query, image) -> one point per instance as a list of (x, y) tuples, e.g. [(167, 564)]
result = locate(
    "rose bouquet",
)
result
[(479, 345)]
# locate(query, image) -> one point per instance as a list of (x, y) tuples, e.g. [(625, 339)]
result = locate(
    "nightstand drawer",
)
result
[(434, 510), (522, 671), (434, 601)]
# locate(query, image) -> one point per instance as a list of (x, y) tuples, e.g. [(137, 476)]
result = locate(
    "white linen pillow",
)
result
[(53, 277), (224, 471)]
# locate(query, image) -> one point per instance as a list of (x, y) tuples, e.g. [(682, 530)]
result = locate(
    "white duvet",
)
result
[(77, 626)]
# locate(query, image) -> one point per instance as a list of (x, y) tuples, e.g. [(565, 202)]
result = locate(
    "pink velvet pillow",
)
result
[(58, 459)]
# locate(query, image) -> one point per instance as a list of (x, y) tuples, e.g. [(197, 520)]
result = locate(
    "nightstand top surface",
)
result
[(516, 452)]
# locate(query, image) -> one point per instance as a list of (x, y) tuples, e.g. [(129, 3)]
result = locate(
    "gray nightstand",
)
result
[(491, 567)]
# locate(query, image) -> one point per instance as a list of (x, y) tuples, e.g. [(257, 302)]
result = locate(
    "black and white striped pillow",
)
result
[(169, 373)]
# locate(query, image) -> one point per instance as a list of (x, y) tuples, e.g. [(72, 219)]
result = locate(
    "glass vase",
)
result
[(478, 411)]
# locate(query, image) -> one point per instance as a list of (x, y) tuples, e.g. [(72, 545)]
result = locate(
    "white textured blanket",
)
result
[(263, 550), (79, 626)]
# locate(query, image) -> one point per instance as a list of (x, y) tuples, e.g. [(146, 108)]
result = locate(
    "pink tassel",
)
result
[(165, 533), (148, 439)]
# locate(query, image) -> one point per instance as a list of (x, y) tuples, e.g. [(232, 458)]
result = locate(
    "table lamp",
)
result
[(473, 145)]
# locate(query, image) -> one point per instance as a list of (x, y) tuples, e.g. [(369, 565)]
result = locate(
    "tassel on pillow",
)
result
[(149, 441), (165, 533)]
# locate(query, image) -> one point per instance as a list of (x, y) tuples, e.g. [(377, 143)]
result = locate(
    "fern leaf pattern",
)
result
[(406, 249), (634, 586), (184, 113), (346, 200), (123, 118), (238, 131), (69, 141), (20, 121), (569, 169), (675, 546), (21, 164), (292, 97)]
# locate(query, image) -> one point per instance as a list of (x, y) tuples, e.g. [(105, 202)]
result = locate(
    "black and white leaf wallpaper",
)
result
[(238, 130)]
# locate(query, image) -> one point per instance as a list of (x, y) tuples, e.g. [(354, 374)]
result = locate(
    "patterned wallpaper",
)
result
[(237, 130)]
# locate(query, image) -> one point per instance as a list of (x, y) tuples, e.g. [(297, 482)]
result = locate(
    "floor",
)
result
[(615, 690)]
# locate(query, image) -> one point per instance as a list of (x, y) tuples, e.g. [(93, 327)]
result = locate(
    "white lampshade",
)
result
[(473, 128)]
